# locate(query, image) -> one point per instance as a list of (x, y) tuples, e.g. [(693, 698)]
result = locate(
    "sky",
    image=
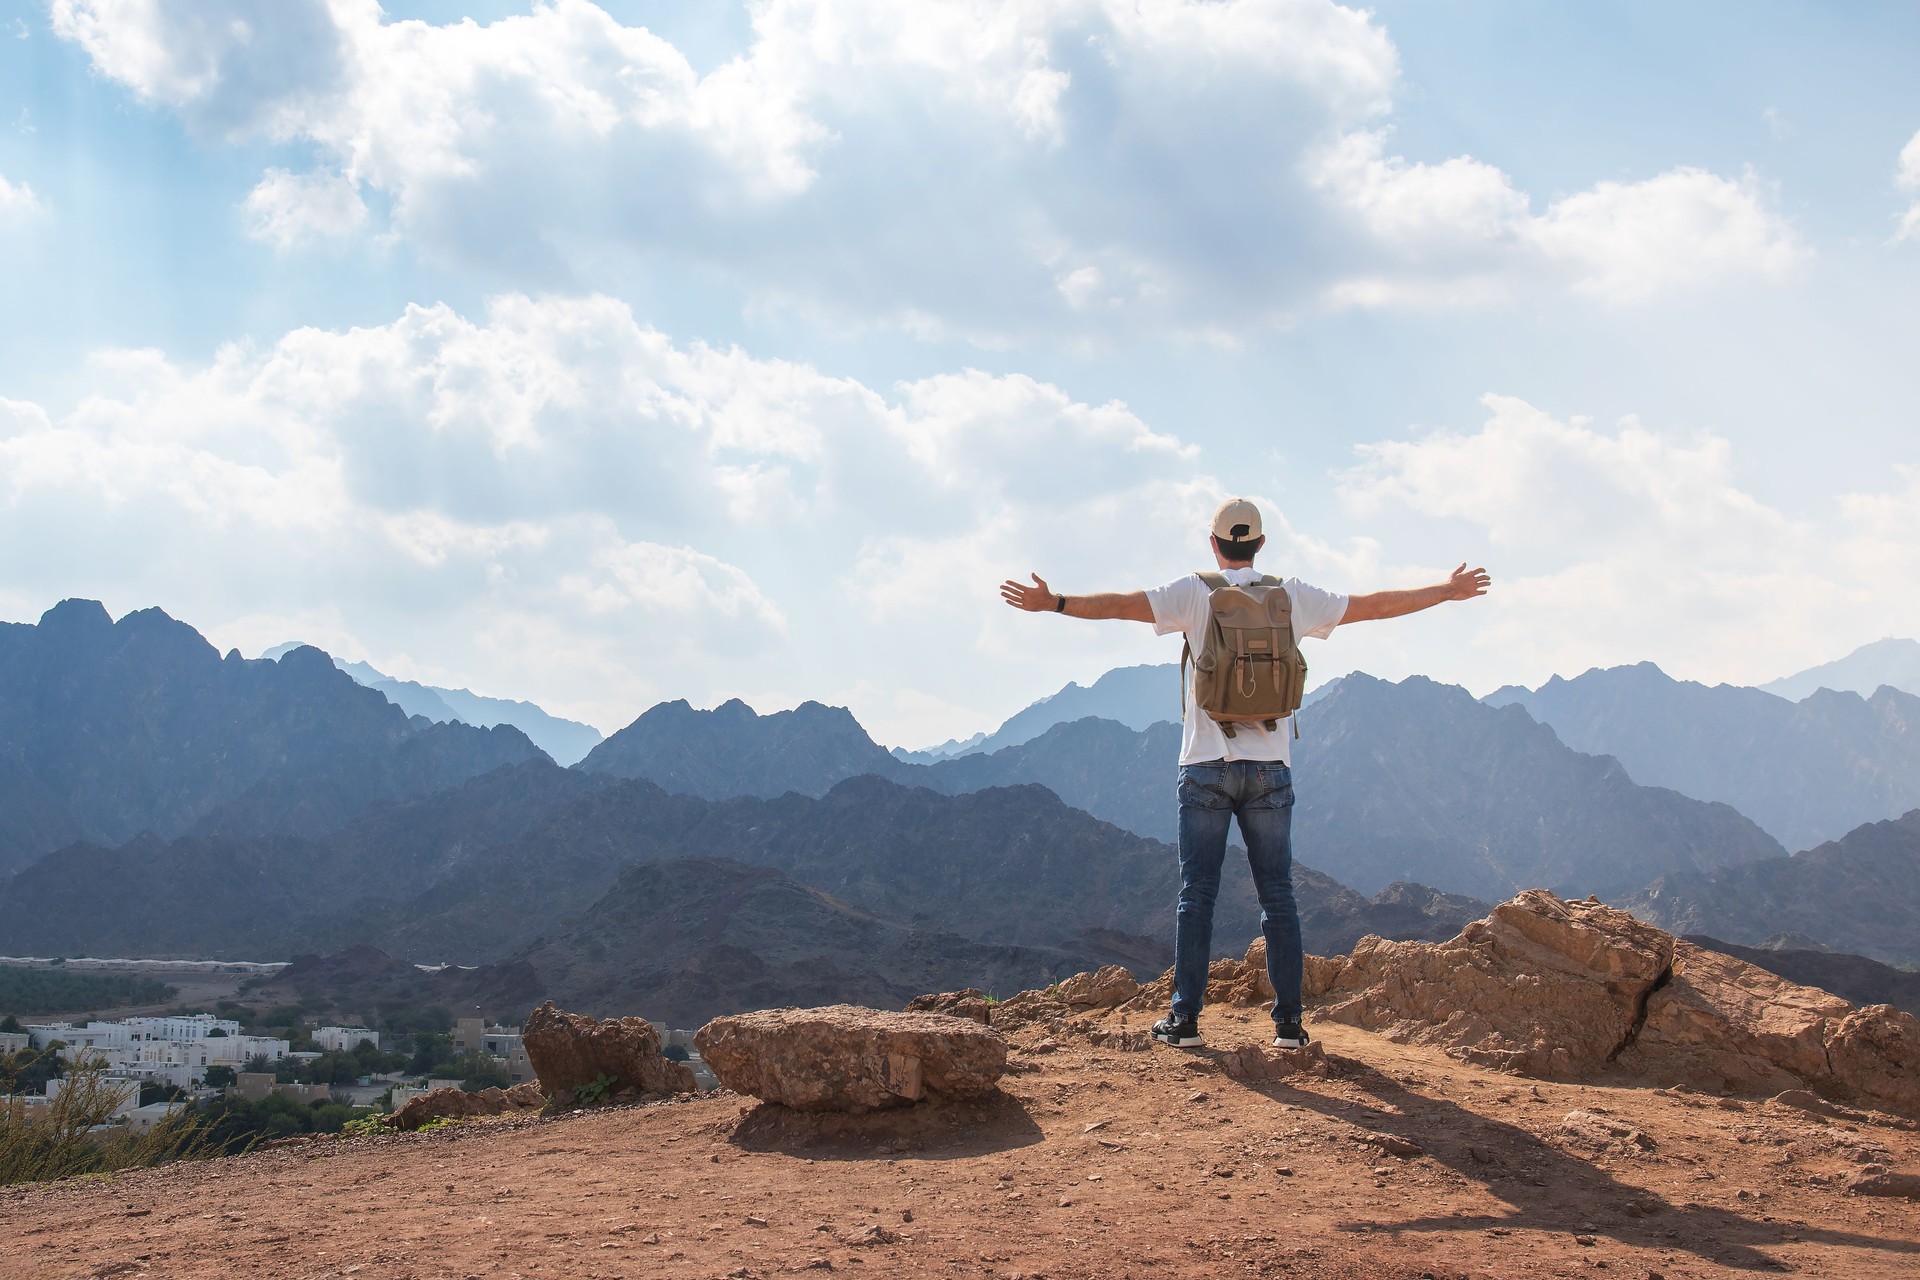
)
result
[(602, 354)]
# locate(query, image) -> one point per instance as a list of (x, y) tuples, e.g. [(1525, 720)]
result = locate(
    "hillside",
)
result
[(1859, 894), (1806, 771), (113, 729), (1089, 1162)]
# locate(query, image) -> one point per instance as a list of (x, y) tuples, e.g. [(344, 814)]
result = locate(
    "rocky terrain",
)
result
[(1401, 1152), (1853, 978), (1807, 771)]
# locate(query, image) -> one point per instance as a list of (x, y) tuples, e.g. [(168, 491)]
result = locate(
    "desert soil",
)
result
[(1090, 1163)]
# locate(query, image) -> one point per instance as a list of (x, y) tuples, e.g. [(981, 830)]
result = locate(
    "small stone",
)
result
[(1881, 1183), (1066, 1202), (1199, 1096), (906, 1215), (1283, 1170), (755, 1220), (1585, 1241)]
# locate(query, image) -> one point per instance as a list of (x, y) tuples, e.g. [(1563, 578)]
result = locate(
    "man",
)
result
[(1244, 773)]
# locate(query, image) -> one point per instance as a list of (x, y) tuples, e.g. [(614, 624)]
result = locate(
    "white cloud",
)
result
[(558, 502), (1459, 231), (986, 168), (288, 210), (1631, 241), (17, 201), (1611, 546), (1907, 177)]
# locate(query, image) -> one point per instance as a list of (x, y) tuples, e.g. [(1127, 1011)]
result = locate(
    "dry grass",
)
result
[(61, 1140)]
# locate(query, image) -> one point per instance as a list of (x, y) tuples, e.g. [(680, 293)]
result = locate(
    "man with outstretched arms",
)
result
[(1236, 767)]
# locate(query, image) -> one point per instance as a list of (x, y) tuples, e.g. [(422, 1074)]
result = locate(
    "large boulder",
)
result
[(1541, 986), (457, 1104), (568, 1051), (1549, 988), (845, 1058)]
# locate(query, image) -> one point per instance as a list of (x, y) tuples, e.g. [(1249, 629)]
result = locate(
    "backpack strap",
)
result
[(1214, 581)]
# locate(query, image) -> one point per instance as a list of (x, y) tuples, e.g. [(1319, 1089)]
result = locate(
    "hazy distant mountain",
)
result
[(734, 751), (1860, 894), (1132, 696), (1888, 662), (1806, 771), (567, 741), (109, 729)]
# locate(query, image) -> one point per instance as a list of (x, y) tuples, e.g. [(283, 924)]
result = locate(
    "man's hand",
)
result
[(1038, 598), (1467, 583), (1128, 606)]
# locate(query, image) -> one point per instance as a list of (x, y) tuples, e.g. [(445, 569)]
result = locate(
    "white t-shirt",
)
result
[(1181, 605)]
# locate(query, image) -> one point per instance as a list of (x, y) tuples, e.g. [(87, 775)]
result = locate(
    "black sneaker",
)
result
[(1290, 1035), (1182, 1033)]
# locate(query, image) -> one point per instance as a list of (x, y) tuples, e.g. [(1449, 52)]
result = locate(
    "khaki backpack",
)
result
[(1249, 667)]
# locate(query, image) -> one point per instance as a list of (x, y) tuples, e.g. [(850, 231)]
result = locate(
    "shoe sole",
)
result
[(1279, 1043), (1187, 1042)]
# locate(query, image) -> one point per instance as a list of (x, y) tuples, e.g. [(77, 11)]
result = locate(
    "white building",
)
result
[(343, 1039), (126, 1091), (15, 1041), (175, 1051)]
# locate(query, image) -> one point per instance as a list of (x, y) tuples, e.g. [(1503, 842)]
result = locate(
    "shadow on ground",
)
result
[(1537, 1179), (937, 1129)]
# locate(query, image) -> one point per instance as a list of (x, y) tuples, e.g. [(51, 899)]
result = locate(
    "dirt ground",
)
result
[(1090, 1163)]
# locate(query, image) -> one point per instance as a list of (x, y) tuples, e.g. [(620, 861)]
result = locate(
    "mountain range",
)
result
[(164, 800), (109, 730), (1891, 662), (1807, 771), (1855, 894), (1414, 781), (565, 740)]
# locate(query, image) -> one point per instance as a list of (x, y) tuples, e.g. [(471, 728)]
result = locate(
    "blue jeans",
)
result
[(1260, 794)]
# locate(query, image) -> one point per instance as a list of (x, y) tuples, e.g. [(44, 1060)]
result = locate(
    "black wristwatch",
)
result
[(1060, 605)]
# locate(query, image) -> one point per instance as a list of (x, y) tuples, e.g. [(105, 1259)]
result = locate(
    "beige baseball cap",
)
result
[(1237, 520)]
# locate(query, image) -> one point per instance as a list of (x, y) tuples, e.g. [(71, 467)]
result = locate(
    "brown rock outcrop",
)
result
[(457, 1104), (1102, 989), (1549, 988), (1541, 987), (568, 1051), (1725, 1025), (845, 1058), (969, 1002)]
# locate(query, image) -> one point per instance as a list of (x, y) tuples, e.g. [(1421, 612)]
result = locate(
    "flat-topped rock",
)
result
[(846, 1058)]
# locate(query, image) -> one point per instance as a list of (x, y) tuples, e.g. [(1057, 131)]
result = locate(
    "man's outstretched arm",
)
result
[(1465, 584), (1131, 606)]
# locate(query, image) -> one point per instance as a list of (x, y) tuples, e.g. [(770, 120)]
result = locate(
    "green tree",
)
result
[(218, 1077), (479, 1071), (10, 1024)]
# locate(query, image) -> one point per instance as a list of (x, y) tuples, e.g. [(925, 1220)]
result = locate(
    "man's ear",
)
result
[(1259, 542)]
